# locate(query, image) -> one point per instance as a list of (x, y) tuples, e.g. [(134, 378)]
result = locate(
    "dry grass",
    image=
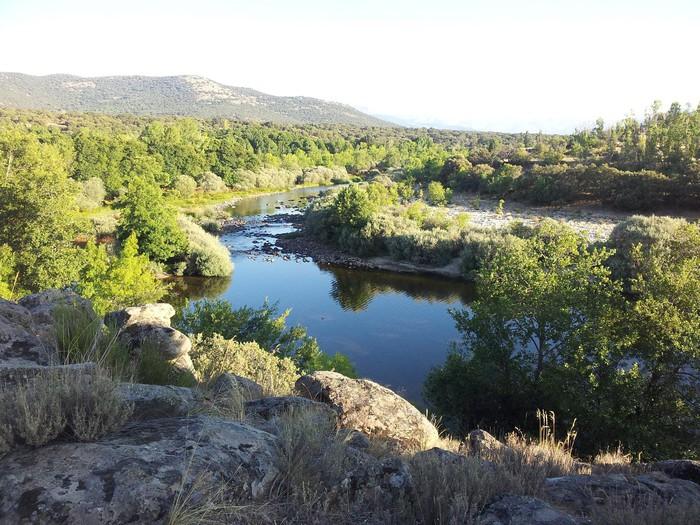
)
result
[(455, 490), (620, 511), (58, 404)]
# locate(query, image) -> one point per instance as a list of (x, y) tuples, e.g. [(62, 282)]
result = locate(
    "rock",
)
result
[(355, 439), (18, 344), (228, 382), (366, 478), (43, 306), (523, 510), (679, 468), (264, 413), (580, 493), (171, 344), (134, 476), (370, 408), (441, 455), (156, 314), (480, 443), (10, 375), (156, 401)]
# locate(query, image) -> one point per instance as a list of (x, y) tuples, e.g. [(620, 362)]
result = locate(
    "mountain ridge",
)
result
[(186, 95)]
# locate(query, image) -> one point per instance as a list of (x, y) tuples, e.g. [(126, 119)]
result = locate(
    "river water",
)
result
[(393, 327)]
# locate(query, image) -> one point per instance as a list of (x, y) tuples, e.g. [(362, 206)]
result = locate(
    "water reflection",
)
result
[(354, 289)]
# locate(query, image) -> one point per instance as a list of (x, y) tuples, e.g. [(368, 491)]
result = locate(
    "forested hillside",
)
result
[(178, 95)]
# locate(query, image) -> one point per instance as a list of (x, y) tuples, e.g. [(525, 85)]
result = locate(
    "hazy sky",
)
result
[(502, 65)]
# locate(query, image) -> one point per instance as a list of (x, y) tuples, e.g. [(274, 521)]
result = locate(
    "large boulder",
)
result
[(156, 314), (43, 307), (580, 493), (134, 476), (370, 408), (523, 510), (170, 343), (19, 346), (679, 468), (229, 384), (157, 401)]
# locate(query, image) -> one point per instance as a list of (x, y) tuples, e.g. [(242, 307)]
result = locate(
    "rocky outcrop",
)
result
[(44, 307), (523, 510), (579, 494), (19, 345), (155, 314), (679, 468), (364, 405), (135, 475), (156, 401), (12, 375), (480, 443), (228, 383), (148, 326)]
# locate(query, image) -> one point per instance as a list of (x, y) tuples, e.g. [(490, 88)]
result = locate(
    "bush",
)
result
[(184, 186), (264, 326), (479, 247), (212, 355), (206, 256), (77, 405), (211, 183), (437, 194)]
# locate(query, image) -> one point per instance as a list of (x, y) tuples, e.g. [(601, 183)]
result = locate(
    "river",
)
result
[(393, 327)]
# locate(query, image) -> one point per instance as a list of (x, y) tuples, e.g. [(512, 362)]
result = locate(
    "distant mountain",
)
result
[(177, 95)]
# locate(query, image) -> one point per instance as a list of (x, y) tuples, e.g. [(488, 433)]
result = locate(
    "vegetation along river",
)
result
[(394, 327)]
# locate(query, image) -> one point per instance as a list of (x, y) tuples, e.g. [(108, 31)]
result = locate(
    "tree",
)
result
[(145, 213), (540, 301), (37, 211), (437, 195), (117, 282)]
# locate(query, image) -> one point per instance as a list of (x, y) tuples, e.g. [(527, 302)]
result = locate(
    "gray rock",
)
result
[(580, 493), (441, 455), (355, 439), (679, 468), (156, 401), (171, 344), (156, 314), (370, 408), (228, 382), (43, 305), (366, 478), (523, 510), (265, 413), (480, 443), (10, 375), (19, 346), (134, 476)]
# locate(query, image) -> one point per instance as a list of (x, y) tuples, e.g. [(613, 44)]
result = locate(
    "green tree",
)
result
[(7, 272), (118, 282), (540, 301), (437, 194), (145, 213), (37, 211)]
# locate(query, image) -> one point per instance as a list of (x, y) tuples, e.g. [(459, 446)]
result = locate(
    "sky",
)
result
[(501, 65)]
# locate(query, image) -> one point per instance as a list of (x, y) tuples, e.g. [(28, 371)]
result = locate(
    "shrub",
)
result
[(214, 354), (437, 194), (184, 186), (264, 326), (211, 183), (76, 405), (479, 247), (152, 369), (670, 235), (206, 256)]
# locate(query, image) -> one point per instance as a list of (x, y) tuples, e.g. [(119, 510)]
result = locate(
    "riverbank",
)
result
[(299, 244)]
